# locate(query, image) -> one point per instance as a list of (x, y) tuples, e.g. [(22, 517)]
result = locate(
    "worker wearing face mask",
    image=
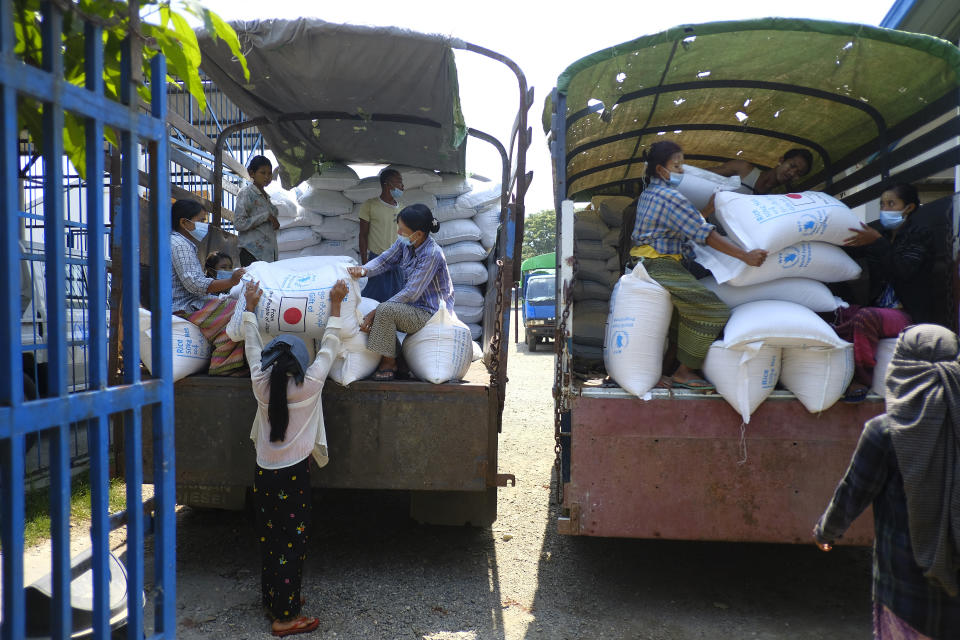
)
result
[(899, 251), (378, 227), (201, 298)]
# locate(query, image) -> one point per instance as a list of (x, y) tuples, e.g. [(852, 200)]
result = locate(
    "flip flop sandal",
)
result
[(303, 625), (694, 384), (385, 375)]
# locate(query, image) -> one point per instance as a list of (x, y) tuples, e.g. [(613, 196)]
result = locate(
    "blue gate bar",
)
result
[(53, 246), (130, 317), (98, 434), (164, 481)]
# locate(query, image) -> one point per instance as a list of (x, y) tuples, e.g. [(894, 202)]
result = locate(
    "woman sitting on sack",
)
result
[(666, 222), (899, 251), (427, 285)]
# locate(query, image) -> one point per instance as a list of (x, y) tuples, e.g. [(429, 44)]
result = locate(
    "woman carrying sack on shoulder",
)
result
[(287, 431), (666, 222), (427, 285)]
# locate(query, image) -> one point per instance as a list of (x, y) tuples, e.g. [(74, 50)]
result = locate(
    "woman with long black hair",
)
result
[(288, 430)]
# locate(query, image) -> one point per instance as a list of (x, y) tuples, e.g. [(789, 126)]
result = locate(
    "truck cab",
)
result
[(539, 307)]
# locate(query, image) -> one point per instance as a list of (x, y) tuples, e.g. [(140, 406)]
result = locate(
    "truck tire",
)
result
[(454, 508), (531, 343)]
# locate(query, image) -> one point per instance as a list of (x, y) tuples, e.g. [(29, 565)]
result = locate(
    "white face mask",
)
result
[(404, 240), (396, 193), (224, 275), (891, 219)]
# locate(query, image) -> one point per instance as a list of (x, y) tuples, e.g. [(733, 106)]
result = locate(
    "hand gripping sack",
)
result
[(818, 377), (773, 222), (698, 185), (442, 350), (355, 361), (296, 296), (636, 329), (804, 291), (191, 351), (744, 377), (814, 260), (778, 323)]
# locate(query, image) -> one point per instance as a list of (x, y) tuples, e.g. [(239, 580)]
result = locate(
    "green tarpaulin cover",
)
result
[(830, 87), (543, 261)]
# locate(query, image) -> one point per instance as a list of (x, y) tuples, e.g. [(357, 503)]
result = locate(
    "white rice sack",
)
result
[(302, 218), (818, 377), (477, 351), (813, 260), (347, 249), (814, 295), (773, 222), (476, 331), (636, 330), (883, 357), (699, 185), (468, 295), (441, 351), (355, 361), (364, 190), (333, 176), (296, 238), (457, 231), (447, 209), (588, 225), (288, 255), (338, 228), (488, 220), (744, 377), (418, 196), (450, 185), (191, 351), (468, 273), (780, 324), (414, 178), (286, 204), (468, 313), (464, 252), (296, 296), (481, 194), (325, 202)]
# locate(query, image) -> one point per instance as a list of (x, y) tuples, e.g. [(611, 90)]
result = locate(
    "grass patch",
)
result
[(36, 529)]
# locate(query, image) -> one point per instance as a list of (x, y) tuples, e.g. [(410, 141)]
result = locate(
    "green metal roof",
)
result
[(746, 89)]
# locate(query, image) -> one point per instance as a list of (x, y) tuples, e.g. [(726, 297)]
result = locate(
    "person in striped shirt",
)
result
[(666, 224), (427, 286)]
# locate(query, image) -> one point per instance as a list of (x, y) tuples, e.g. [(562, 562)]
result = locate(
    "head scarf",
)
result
[(287, 355), (923, 413)]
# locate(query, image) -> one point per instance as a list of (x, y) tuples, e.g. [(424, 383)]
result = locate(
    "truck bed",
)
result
[(679, 467), (437, 439)]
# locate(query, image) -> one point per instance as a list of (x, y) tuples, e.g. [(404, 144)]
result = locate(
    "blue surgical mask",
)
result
[(224, 275), (199, 231), (675, 179), (396, 193), (891, 219), (404, 240)]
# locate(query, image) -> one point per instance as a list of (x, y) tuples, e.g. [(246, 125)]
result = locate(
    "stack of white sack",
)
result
[(817, 365), (636, 332), (699, 185), (321, 218), (801, 232), (296, 296), (191, 351)]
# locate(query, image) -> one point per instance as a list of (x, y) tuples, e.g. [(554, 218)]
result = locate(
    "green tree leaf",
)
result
[(539, 233)]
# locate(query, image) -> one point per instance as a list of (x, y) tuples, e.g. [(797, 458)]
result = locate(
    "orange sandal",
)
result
[(302, 624)]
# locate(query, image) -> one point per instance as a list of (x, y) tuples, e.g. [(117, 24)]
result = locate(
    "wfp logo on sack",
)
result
[(620, 341), (789, 257), (812, 224), (293, 314)]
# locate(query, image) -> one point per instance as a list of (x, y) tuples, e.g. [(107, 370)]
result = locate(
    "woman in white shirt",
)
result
[(287, 430)]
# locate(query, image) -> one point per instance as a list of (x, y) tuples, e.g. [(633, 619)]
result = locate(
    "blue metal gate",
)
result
[(55, 413)]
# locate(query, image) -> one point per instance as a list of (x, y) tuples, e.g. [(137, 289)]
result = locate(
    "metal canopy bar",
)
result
[(945, 160), (685, 127), (871, 111)]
